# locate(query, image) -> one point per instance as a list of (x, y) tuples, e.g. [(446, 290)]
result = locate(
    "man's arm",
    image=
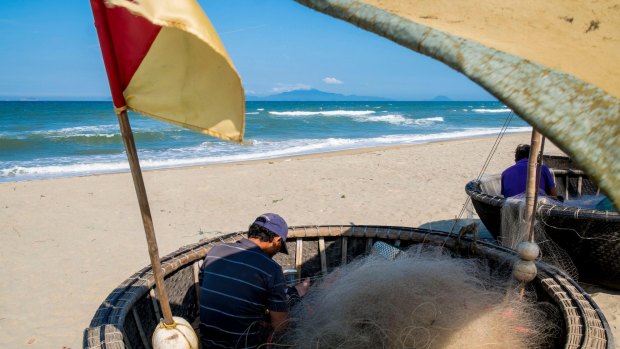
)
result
[(278, 320), (553, 192), (549, 182), (278, 302)]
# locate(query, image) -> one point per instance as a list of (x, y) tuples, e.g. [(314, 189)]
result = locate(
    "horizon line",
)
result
[(76, 99)]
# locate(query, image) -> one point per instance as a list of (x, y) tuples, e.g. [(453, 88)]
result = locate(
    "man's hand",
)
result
[(302, 287)]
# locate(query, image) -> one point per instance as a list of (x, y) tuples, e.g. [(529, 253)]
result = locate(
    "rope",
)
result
[(494, 148)]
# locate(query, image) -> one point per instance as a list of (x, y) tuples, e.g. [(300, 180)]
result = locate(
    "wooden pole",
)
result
[(109, 59), (145, 210), (539, 161), (531, 188)]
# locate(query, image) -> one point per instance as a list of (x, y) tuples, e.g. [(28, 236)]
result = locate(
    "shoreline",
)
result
[(330, 153)]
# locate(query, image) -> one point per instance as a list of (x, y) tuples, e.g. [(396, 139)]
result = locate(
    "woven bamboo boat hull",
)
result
[(130, 313), (590, 237)]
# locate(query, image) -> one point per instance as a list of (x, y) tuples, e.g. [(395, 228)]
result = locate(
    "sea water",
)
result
[(60, 139)]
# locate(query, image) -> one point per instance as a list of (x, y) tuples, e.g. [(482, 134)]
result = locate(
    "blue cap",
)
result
[(275, 224)]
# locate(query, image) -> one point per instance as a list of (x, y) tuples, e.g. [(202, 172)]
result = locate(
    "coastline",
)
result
[(67, 242), (325, 154)]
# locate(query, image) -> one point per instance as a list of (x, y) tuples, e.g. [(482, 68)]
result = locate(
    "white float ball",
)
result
[(524, 271), (528, 251), (181, 335)]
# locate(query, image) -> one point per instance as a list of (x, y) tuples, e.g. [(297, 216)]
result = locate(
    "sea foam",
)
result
[(71, 142), (323, 113), (500, 110), (397, 119), (220, 152)]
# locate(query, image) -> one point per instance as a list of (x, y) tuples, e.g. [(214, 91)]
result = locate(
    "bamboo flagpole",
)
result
[(107, 48), (145, 210), (148, 48)]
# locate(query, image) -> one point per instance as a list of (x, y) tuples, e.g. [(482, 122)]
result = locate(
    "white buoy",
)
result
[(524, 271), (528, 251), (179, 335)]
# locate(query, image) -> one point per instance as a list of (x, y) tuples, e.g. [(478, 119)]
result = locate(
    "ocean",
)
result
[(61, 139)]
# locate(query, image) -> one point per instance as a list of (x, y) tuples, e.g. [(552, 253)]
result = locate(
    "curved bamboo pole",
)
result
[(579, 117)]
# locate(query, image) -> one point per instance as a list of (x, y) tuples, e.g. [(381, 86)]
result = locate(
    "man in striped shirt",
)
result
[(243, 293)]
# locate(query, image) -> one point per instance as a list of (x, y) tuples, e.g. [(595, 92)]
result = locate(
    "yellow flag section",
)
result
[(186, 78)]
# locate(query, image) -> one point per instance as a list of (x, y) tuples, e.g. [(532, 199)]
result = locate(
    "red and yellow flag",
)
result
[(165, 60)]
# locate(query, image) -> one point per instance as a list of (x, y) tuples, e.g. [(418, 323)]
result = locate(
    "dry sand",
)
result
[(66, 243)]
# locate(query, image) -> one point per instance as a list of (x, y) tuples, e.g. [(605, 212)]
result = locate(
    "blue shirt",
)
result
[(239, 284), (514, 179)]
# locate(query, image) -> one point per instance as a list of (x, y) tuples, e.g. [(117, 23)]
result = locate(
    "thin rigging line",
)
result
[(494, 148)]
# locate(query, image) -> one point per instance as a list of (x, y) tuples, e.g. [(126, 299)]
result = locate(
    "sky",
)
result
[(50, 51)]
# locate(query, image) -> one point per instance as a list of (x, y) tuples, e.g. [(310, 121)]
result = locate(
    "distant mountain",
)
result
[(441, 99), (313, 95)]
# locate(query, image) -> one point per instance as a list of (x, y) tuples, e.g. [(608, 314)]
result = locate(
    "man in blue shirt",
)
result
[(514, 178), (243, 294)]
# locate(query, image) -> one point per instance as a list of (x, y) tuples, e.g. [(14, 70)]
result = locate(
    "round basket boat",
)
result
[(590, 237), (130, 313)]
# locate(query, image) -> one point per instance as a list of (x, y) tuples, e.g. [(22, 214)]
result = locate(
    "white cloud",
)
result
[(279, 88), (332, 81)]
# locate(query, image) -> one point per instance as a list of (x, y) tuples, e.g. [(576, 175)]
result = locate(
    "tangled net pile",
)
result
[(422, 299), (512, 233)]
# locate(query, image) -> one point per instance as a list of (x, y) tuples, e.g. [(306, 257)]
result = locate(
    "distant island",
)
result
[(313, 95), (441, 99), (310, 95)]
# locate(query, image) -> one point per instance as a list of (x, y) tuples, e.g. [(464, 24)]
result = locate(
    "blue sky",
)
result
[(50, 51)]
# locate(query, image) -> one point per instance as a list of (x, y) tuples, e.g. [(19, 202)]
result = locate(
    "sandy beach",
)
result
[(66, 243)]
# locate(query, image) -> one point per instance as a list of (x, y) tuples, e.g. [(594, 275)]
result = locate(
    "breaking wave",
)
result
[(397, 119), (220, 152), (323, 113), (500, 110)]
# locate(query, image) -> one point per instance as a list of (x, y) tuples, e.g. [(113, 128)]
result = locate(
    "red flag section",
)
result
[(125, 40)]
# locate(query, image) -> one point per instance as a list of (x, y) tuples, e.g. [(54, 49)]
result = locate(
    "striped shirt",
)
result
[(239, 282)]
